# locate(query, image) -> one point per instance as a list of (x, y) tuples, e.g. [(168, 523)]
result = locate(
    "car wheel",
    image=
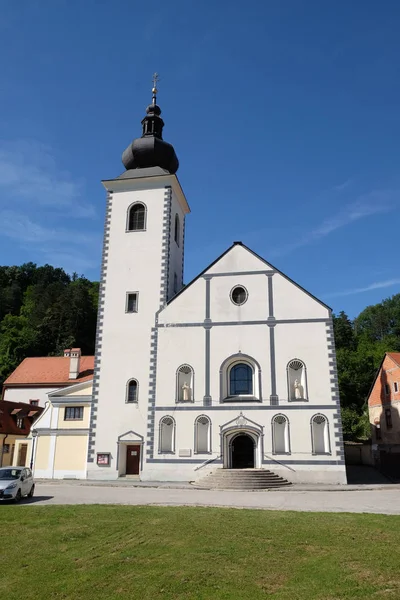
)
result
[(18, 496), (30, 495)]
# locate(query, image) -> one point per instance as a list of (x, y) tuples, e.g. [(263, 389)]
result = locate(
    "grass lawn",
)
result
[(147, 553)]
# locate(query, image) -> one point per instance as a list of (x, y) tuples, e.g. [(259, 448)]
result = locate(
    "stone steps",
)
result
[(241, 479)]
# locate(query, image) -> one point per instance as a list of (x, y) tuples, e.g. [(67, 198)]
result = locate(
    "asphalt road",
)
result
[(384, 501)]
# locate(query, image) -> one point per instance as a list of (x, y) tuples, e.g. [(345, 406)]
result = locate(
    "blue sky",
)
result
[(284, 115)]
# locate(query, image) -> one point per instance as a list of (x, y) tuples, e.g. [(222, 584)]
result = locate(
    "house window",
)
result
[(34, 402), (297, 380), (241, 380), (280, 435), (202, 435), (73, 413), (396, 387), (387, 389), (388, 418), (177, 229), (137, 217), (239, 295), (20, 422), (185, 384), (167, 435), (132, 391), (132, 302), (175, 283), (6, 449), (320, 435)]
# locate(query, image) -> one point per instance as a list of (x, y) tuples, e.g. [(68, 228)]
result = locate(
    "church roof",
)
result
[(49, 370), (262, 260)]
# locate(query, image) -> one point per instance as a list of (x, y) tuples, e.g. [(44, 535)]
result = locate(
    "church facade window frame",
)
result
[(128, 228), (163, 448), (286, 434), (181, 378), (225, 377), (197, 435), (291, 377), (315, 444), (129, 300)]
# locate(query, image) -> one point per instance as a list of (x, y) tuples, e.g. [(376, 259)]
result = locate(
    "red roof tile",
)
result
[(9, 421), (394, 356), (49, 370)]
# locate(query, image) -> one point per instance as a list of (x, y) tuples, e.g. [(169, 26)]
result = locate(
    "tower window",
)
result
[(132, 391), (136, 217), (132, 302), (177, 229), (175, 283)]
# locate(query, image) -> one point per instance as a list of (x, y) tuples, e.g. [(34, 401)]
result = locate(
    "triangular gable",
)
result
[(130, 436), (261, 265)]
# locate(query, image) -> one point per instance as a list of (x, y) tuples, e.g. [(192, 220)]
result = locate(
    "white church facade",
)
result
[(235, 370)]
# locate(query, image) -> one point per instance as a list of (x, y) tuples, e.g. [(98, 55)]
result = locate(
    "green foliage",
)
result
[(360, 347), (42, 311)]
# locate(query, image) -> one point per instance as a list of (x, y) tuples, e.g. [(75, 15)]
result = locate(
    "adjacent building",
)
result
[(384, 414), (16, 419)]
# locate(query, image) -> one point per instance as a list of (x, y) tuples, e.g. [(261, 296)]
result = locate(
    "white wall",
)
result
[(24, 394)]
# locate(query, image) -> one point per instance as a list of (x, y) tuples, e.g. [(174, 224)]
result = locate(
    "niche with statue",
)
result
[(184, 384), (297, 380)]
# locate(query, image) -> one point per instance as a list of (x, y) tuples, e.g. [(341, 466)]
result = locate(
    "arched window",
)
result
[(241, 380), (320, 435), (202, 435), (137, 217), (297, 380), (132, 391), (185, 384), (280, 435), (167, 435), (177, 229)]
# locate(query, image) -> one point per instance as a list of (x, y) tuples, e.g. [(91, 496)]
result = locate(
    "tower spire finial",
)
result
[(156, 79)]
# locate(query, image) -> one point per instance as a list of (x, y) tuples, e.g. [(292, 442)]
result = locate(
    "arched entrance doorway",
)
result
[(242, 452)]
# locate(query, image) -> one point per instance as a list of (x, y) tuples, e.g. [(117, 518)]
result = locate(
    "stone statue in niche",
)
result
[(186, 392), (298, 390)]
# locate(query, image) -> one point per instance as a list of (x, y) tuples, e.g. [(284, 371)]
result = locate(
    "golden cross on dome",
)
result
[(156, 79)]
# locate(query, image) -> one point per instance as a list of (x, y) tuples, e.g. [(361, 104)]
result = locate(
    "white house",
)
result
[(235, 370)]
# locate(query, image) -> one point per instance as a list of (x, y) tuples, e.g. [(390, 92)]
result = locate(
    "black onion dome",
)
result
[(151, 150)]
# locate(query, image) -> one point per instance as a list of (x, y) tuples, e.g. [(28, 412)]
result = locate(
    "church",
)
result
[(235, 370)]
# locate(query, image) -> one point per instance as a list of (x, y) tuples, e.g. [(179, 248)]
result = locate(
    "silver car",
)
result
[(16, 482)]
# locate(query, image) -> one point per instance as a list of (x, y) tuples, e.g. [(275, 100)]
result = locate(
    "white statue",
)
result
[(186, 391), (298, 390)]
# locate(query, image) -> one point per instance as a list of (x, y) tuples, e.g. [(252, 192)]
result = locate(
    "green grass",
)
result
[(146, 553)]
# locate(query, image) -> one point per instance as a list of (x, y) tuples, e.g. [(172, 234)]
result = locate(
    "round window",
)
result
[(239, 295)]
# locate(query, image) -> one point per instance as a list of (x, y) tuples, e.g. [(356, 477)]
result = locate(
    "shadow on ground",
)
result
[(364, 475), (28, 500)]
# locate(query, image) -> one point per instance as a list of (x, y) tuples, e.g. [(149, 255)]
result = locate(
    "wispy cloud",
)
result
[(29, 174), (375, 202), (71, 249), (372, 286)]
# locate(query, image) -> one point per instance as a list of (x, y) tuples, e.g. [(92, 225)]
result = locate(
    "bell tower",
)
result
[(142, 268)]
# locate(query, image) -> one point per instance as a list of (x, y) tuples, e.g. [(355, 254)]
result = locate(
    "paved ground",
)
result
[(385, 500)]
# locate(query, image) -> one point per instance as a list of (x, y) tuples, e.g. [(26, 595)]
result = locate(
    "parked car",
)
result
[(16, 482)]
